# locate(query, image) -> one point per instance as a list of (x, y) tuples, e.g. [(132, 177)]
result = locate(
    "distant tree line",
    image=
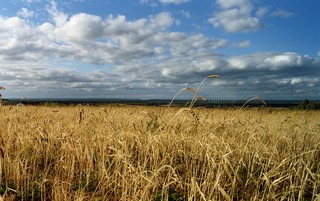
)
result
[(308, 105)]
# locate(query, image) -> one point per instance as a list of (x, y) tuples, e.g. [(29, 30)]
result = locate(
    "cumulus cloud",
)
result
[(95, 40), (236, 16), (81, 27), (242, 15)]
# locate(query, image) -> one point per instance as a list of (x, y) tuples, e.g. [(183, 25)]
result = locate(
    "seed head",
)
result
[(191, 90), (214, 76)]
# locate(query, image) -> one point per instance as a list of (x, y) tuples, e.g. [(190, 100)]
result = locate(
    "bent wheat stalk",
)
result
[(256, 97), (184, 89), (194, 99)]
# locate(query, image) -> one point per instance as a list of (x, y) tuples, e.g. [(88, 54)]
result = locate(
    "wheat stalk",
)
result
[(183, 89), (256, 97), (194, 99)]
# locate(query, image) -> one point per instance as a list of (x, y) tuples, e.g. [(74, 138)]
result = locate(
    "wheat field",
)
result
[(158, 153)]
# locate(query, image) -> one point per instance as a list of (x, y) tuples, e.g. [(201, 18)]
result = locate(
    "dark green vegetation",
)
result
[(308, 105)]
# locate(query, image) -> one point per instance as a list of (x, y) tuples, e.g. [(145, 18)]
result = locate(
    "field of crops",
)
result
[(156, 153)]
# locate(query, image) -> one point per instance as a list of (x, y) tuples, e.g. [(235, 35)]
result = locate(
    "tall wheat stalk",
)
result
[(190, 103), (195, 96)]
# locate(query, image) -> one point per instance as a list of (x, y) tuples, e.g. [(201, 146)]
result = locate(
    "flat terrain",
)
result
[(156, 153)]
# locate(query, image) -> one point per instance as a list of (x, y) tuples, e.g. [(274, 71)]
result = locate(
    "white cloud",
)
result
[(236, 16), (186, 14), (82, 27), (296, 81), (271, 61), (262, 11), (97, 40), (227, 4), (25, 13), (174, 1), (162, 20), (286, 60), (243, 44), (282, 13), (154, 3), (58, 17), (31, 1), (15, 28)]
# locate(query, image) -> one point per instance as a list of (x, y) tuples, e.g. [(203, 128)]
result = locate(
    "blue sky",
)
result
[(153, 48)]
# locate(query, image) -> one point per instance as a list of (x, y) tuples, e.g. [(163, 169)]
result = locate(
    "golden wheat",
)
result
[(117, 153)]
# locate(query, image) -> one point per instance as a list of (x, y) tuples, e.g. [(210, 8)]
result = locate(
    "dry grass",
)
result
[(134, 153)]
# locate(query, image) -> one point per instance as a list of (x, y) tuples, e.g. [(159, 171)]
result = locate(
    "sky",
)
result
[(150, 49)]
